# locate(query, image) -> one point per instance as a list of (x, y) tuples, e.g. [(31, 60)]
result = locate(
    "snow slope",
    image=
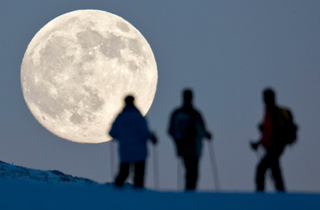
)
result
[(18, 190)]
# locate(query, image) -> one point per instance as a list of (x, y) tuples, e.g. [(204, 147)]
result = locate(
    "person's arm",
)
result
[(146, 132), (203, 130), (113, 131), (171, 126), (153, 138), (265, 129)]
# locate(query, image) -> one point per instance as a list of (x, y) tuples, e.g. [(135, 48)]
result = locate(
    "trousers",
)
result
[(139, 169), (191, 165), (270, 160)]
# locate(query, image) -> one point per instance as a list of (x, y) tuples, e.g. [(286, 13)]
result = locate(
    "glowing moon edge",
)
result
[(77, 70)]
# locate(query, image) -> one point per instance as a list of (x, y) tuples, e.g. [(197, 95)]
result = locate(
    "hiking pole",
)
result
[(179, 175), (155, 168), (111, 160), (214, 166)]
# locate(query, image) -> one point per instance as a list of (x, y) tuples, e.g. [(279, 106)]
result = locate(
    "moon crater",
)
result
[(78, 68)]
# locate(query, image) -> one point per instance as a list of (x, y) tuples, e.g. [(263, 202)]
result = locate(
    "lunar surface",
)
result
[(79, 67)]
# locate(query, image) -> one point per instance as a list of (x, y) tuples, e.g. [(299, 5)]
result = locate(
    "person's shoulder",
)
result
[(196, 111), (127, 112), (176, 111), (135, 113), (286, 112), (284, 109)]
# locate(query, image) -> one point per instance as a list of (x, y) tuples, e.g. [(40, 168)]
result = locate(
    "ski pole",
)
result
[(214, 166), (155, 168), (111, 160), (179, 175)]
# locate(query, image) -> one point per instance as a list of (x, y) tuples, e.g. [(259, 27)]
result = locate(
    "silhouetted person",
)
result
[(131, 131), (187, 129), (277, 131)]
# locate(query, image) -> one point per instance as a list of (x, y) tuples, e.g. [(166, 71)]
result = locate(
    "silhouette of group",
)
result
[(187, 129)]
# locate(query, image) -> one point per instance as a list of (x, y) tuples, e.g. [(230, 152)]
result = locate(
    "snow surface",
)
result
[(59, 191)]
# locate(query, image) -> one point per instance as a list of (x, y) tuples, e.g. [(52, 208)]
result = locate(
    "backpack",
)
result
[(288, 128), (183, 127)]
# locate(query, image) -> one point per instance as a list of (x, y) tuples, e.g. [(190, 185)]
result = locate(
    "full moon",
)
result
[(78, 69)]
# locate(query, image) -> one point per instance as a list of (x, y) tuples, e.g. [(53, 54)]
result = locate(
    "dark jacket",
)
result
[(272, 128), (189, 145), (131, 131)]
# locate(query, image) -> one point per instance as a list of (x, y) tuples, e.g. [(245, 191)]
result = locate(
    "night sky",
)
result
[(226, 51)]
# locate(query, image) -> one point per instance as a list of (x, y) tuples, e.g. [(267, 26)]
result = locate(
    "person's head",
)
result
[(129, 100), (269, 97), (187, 96)]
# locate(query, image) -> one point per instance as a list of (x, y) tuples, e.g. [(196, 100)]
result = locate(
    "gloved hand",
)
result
[(260, 127), (154, 139), (208, 136), (254, 145)]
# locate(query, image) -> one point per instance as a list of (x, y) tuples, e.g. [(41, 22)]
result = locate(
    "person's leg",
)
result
[(277, 176), (139, 169), (191, 165), (261, 171), (194, 173), (276, 171), (122, 175)]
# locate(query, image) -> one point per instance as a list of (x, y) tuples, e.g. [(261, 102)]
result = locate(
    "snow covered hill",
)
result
[(9, 171), (22, 188)]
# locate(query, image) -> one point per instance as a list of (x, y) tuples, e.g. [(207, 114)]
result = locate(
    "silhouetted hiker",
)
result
[(131, 131), (277, 130), (187, 129)]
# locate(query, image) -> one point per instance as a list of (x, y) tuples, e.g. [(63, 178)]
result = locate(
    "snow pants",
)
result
[(139, 168), (270, 160)]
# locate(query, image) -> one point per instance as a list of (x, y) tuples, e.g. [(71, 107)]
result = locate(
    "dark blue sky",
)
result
[(227, 51)]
